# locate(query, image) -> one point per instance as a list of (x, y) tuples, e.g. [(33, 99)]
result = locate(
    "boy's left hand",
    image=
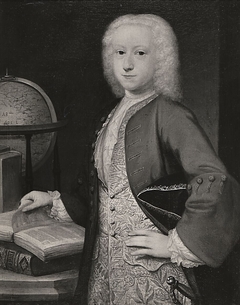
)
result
[(148, 243)]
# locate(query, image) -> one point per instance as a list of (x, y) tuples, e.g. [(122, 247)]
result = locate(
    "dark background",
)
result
[(57, 45)]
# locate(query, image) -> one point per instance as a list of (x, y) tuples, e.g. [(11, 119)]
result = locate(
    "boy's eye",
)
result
[(120, 52), (141, 53)]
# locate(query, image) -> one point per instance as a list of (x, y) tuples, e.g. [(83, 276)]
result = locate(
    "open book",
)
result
[(41, 235)]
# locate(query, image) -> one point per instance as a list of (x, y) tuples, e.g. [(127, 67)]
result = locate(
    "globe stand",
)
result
[(28, 131), (25, 112)]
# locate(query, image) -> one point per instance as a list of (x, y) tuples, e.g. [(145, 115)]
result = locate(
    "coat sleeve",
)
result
[(76, 202), (76, 208), (210, 225)]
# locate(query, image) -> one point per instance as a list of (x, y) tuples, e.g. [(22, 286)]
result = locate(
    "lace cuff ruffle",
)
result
[(58, 210), (180, 254)]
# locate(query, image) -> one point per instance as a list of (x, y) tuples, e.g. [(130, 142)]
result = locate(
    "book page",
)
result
[(56, 240), (36, 217), (6, 230)]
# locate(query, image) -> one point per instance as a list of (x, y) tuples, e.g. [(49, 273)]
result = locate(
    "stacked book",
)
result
[(32, 243)]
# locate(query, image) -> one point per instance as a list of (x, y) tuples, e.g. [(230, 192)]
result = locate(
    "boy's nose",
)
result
[(128, 64), (127, 69)]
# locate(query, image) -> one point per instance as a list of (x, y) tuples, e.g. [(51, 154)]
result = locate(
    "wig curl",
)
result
[(166, 77)]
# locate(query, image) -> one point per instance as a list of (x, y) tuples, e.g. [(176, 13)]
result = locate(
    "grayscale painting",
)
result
[(119, 152)]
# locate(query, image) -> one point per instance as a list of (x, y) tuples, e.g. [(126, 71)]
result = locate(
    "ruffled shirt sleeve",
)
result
[(58, 210), (180, 254)]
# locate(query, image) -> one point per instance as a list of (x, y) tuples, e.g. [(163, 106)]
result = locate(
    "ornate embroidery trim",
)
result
[(165, 188)]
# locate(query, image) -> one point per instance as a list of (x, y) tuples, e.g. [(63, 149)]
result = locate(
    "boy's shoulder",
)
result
[(168, 106)]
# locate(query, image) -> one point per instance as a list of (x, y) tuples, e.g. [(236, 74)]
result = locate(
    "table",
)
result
[(24, 288)]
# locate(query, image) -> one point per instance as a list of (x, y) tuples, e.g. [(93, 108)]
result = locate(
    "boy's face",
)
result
[(134, 58)]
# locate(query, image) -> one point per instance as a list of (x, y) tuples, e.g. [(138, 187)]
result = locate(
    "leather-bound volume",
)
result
[(10, 178), (19, 260)]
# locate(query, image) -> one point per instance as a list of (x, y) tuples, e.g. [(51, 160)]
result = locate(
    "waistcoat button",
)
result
[(112, 233)]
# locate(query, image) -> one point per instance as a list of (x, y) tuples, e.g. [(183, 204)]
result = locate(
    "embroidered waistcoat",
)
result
[(117, 277)]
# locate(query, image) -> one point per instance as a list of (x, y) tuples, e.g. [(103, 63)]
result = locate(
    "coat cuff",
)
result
[(210, 225)]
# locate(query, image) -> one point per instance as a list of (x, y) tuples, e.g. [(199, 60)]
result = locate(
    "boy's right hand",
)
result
[(35, 199)]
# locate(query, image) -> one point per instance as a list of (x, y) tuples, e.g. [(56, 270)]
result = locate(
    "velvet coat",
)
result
[(164, 139)]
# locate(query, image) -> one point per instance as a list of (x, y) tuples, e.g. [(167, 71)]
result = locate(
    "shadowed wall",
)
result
[(57, 45)]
